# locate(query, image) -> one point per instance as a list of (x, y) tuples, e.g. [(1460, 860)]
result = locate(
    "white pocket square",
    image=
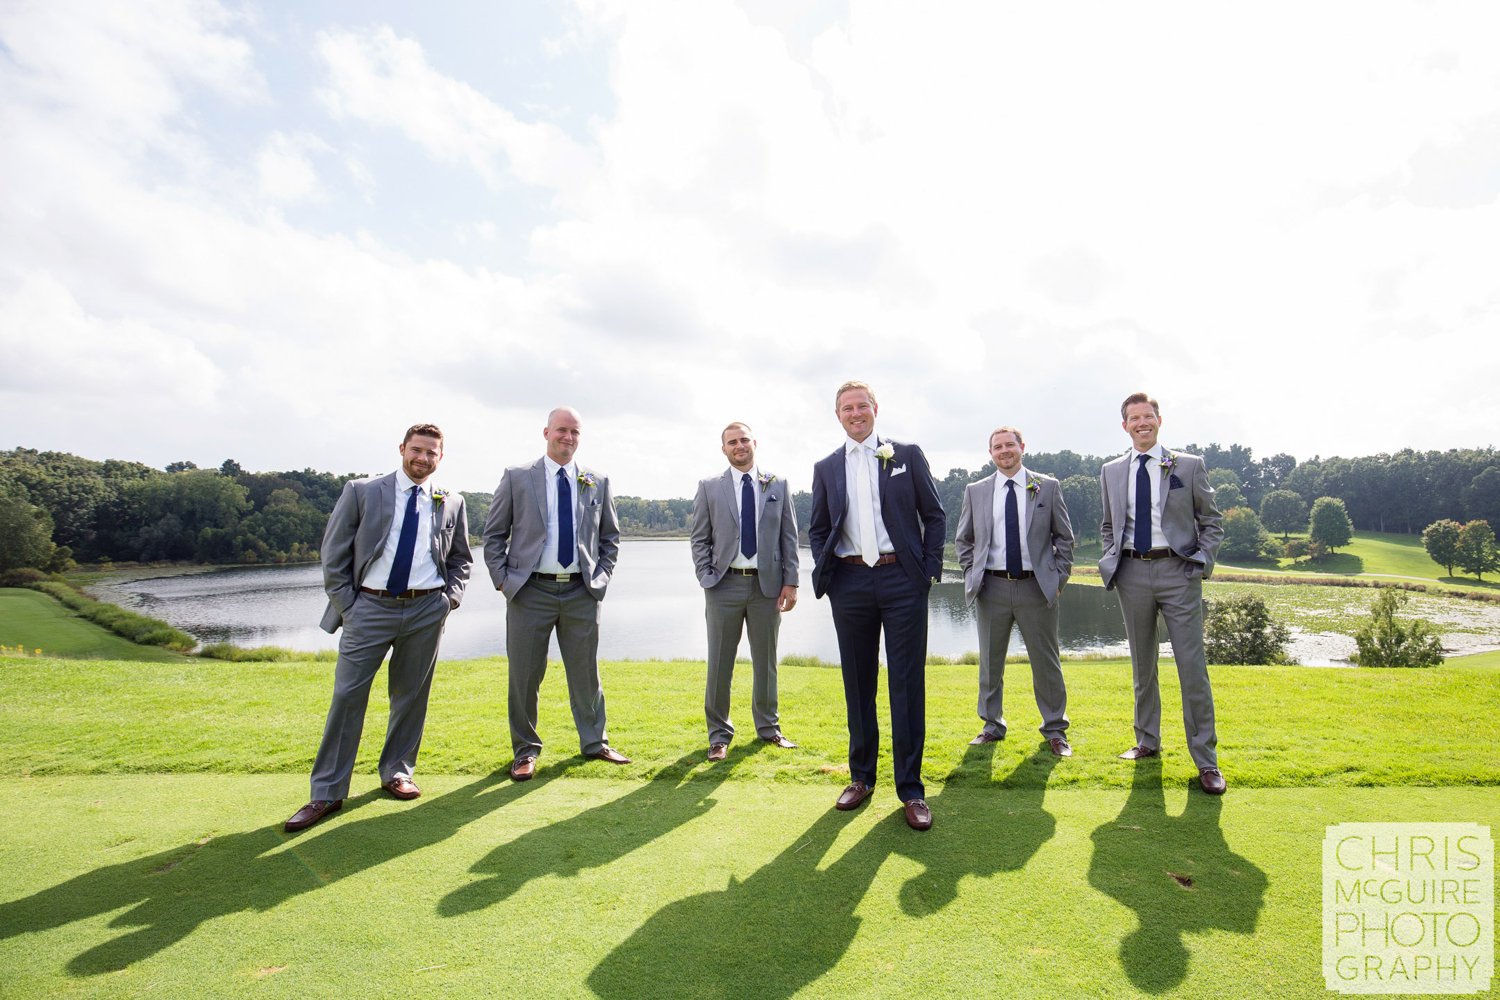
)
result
[(897, 472)]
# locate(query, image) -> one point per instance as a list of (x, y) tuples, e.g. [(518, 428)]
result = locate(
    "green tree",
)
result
[(25, 530), (1240, 629), (1328, 524), (1482, 495), (1440, 538), (1387, 641), (1244, 536), (1283, 511), (1081, 494), (1476, 549)]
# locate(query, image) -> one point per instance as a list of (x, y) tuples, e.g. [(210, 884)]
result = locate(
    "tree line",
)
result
[(56, 507)]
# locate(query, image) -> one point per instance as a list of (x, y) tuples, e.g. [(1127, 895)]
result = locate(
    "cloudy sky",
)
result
[(281, 232)]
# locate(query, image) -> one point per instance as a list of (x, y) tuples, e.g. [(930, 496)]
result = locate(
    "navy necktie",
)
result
[(747, 516), (1012, 530), (565, 544), (406, 547), (1142, 539)]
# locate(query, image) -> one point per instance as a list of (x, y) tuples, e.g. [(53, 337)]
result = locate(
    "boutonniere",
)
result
[(1033, 487), (1168, 461), (587, 480), (438, 496), (765, 479), (885, 453)]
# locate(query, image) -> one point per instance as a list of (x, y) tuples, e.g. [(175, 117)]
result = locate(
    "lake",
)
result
[(654, 610)]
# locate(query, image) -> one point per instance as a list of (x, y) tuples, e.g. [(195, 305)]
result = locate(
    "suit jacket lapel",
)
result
[(384, 514), (984, 518), (539, 488), (1118, 497), (840, 497)]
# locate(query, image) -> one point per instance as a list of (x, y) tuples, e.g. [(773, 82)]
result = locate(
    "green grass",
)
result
[(34, 621), (1371, 553), (144, 855)]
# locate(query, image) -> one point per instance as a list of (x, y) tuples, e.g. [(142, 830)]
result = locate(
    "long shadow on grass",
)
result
[(792, 921), (597, 836), (174, 892), (1177, 873)]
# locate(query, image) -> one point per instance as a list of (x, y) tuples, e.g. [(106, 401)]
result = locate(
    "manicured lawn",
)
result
[(1372, 553), (35, 621), (144, 855)]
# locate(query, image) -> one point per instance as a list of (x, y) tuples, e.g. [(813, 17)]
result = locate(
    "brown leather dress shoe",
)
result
[(718, 751), (610, 754), (985, 737), (779, 741), (853, 796), (311, 813), (918, 816), (1212, 781), (1139, 753), (523, 768), (1060, 747), (402, 787)]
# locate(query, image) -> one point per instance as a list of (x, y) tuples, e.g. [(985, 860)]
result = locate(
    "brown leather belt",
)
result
[(405, 595), (884, 560), (1152, 554), (1025, 574), (743, 572)]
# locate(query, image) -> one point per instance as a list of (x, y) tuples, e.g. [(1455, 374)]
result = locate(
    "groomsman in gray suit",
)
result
[(550, 544), (744, 545), (1161, 530), (1015, 545), (388, 593)]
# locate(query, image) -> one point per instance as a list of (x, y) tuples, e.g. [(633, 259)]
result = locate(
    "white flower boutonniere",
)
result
[(765, 479), (885, 453), (1168, 460), (587, 480)]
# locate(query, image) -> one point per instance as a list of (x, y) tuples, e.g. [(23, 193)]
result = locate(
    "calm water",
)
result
[(654, 610)]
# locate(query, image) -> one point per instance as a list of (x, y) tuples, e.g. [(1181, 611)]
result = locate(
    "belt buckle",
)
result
[(562, 577)]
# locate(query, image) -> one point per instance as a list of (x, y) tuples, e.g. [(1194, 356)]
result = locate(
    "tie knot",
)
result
[(745, 478), (1143, 459), (1010, 484), (562, 474)]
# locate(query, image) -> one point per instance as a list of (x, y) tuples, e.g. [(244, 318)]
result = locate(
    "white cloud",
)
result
[(285, 171)]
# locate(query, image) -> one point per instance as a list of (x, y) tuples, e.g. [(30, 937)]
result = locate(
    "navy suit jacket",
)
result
[(909, 506)]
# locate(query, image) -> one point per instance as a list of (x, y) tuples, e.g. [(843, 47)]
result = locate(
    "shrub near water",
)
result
[(1386, 641), (1240, 629)]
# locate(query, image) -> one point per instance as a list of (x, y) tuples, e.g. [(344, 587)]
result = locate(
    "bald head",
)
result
[(561, 434)]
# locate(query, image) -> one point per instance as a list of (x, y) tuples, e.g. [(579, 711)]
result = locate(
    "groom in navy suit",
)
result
[(877, 533)]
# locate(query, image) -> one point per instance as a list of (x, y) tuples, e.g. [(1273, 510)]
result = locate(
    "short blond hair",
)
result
[(850, 386), (1007, 429)]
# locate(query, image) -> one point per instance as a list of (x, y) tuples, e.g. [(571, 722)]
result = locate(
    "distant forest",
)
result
[(56, 508)]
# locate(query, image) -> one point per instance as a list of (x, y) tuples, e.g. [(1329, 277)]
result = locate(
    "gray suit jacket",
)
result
[(516, 529), (1049, 533), (1189, 518), (716, 533), (356, 534)]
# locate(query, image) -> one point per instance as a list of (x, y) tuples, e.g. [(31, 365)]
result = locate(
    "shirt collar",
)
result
[(552, 468), (735, 474), (1020, 477), (1154, 451), (850, 445), (404, 483)]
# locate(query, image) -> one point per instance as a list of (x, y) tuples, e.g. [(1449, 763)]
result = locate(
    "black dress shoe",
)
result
[(312, 812), (1212, 781), (779, 741), (1139, 753), (610, 754), (853, 796)]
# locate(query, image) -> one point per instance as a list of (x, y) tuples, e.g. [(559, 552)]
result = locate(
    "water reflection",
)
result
[(654, 611)]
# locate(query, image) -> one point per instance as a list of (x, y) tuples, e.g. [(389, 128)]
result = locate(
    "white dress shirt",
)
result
[(424, 570), (549, 563), (1023, 514), (849, 540), (1153, 473), (740, 560)]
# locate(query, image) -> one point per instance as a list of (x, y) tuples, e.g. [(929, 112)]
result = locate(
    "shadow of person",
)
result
[(678, 793), (981, 832), (1177, 873), (174, 892), (765, 937)]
